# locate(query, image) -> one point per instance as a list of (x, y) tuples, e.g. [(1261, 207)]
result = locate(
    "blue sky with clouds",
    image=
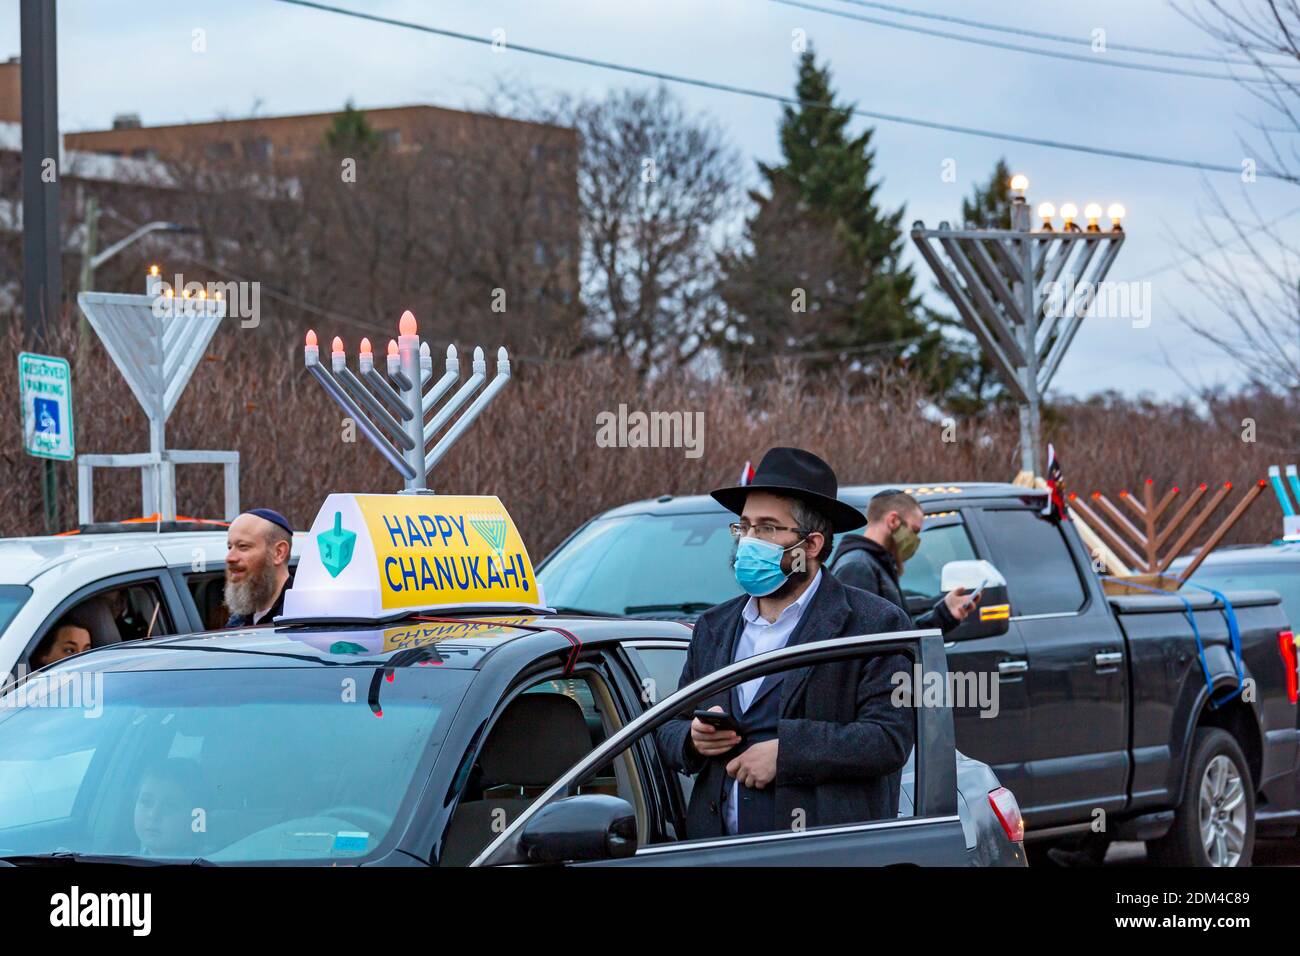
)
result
[(274, 58)]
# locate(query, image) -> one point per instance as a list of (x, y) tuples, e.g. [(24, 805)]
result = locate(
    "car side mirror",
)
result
[(992, 616), (589, 826)]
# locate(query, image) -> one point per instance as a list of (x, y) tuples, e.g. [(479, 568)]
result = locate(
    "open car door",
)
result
[(564, 826)]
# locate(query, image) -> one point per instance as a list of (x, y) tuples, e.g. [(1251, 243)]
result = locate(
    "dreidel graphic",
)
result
[(336, 546)]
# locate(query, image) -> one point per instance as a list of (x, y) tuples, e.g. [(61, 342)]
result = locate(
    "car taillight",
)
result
[(1004, 805), (1286, 644)]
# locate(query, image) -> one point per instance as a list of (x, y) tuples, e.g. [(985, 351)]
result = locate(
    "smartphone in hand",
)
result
[(718, 720)]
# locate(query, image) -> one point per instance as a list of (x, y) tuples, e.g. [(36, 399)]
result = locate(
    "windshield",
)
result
[(643, 564), (12, 598), (1282, 578), (236, 766)]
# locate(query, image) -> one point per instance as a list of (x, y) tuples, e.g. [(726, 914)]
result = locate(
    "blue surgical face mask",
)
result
[(758, 566)]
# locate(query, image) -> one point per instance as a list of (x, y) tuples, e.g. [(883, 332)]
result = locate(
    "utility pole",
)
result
[(42, 234), (42, 240)]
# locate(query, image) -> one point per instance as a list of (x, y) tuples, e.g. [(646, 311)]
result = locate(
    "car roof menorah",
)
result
[(156, 341), (1146, 546), (1290, 512), (1023, 293), (391, 410)]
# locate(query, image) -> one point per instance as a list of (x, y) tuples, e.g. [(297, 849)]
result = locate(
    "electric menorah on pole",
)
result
[(1024, 292)]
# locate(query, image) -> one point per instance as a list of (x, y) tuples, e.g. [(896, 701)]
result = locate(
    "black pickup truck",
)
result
[(1095, 711)]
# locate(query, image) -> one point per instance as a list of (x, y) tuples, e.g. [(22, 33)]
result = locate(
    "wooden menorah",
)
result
[(1145, 544)]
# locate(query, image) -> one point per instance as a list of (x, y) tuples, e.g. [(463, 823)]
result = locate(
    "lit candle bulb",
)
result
[(1092, 212), (407, 323), (1047, 212), (311, 351)]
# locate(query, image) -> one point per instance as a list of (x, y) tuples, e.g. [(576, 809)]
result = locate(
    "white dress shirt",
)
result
[(760, 636)]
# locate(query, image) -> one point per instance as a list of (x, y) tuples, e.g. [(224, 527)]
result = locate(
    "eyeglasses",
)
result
[(741, 528)]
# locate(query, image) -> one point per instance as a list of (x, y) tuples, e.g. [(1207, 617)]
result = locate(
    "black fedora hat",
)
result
[(796, 473)]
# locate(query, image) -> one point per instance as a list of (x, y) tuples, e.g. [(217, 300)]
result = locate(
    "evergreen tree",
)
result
[(975, 382), (351, 134), (821, 268), (989, 206)]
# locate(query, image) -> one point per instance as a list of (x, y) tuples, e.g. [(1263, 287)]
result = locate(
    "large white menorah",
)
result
[(391, 410)]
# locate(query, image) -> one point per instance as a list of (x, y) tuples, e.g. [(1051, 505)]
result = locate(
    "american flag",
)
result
[(1055, 507), (746, 474)]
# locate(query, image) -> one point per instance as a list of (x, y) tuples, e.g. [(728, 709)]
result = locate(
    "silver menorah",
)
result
[(391, 410)]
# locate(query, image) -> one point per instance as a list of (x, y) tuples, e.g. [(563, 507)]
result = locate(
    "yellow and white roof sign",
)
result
[(378, 556)]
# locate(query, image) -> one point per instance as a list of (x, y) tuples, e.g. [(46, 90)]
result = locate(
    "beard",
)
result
[(257, 590), (793, 583)]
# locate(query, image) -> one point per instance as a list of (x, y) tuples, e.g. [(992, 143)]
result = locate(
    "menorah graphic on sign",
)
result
[(492, 529), (391, 410)]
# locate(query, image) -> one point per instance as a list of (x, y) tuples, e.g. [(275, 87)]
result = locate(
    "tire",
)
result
[(1214, 825)]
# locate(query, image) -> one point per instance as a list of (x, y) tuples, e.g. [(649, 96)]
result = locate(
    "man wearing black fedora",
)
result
[(817, 745)]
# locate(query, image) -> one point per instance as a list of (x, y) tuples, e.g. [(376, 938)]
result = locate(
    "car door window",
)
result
[(128, 611), (207, 588), (890, 796), (922, 574), (1032, 554), (660, 671), (539, 734)]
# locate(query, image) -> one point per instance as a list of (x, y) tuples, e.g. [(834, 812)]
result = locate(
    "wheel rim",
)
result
[(1223, 812)]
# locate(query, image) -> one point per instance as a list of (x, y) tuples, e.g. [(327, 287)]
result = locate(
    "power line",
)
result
[(1060, 37), (1215, 247), (790, 100), (1091, 59)]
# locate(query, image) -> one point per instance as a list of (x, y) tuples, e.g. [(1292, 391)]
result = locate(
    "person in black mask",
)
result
[(874, 559)]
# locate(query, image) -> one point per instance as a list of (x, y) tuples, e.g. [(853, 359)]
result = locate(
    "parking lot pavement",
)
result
[(1267, 853)]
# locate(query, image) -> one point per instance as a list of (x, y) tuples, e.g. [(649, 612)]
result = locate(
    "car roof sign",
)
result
[(380, 557)]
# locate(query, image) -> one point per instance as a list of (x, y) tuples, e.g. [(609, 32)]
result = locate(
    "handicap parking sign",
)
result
[(45, 389)]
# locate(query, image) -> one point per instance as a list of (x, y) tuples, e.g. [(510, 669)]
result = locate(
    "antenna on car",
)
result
[(156, 341), (390, 410)]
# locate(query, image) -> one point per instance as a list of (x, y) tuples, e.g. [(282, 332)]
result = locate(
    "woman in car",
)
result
[(70, 636)]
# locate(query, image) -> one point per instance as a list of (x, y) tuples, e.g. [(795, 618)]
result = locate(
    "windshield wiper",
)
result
[(686, 607), (582, 611), (69, 858)]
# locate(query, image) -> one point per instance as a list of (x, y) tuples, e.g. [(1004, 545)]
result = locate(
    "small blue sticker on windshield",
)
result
[(351, 841)]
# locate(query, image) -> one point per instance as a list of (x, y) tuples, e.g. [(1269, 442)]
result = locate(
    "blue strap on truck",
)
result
[(1234, 635)]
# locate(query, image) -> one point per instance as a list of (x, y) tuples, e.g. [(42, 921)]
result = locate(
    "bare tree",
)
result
[(658, 189), (1252, 280)]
